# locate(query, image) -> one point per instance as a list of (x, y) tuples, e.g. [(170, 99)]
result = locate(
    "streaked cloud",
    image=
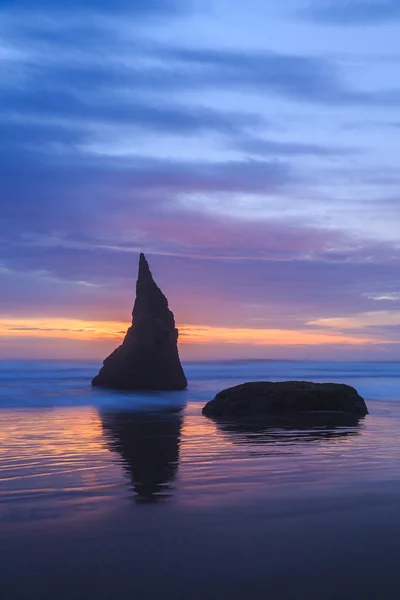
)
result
[(392, 296), (362, 320), (217, 140), (354, 12)]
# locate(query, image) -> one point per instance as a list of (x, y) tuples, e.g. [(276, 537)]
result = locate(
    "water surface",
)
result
[(117, 495)]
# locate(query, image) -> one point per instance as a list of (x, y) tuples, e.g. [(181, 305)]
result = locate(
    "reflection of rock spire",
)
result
[(148, 357), (149, 446)]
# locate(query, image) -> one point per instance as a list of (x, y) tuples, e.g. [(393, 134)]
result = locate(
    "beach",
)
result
[(121, 495)]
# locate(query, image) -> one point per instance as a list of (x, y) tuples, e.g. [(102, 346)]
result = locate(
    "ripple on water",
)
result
[(77, 459)]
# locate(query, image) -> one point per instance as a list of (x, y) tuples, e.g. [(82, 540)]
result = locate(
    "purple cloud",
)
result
[(225, 157)]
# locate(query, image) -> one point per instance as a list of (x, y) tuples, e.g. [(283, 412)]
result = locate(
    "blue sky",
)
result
[(249, 149)]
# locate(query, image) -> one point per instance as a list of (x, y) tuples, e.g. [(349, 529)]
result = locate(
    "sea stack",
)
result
[(148, 358), (286, 399)]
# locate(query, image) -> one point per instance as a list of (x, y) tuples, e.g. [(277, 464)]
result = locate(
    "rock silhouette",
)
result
[(148, 358), (148, 444), (286, 399)]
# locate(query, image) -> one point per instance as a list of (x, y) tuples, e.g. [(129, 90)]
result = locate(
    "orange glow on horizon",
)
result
[(75, 329), (262, 337)]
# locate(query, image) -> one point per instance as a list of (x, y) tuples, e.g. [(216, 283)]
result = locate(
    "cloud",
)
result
[(221, 160), (375, 322), (137, 8), (54, 111), (354, 12), (267, 147), (295, 77), (109, 64), (272, 271), (99, 193), (385, 296)]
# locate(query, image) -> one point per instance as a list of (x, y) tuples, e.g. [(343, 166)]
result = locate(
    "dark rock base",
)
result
[(286, 399)]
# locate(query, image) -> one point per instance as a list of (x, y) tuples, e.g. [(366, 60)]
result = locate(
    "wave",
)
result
[(67, 383)]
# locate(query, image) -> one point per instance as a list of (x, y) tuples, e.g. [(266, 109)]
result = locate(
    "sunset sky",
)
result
[(249, 149)]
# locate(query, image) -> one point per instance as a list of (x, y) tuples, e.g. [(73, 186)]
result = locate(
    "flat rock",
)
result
[(287, 398), (148, 358)]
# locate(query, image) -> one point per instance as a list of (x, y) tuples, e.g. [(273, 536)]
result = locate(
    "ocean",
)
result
[(114, 495)]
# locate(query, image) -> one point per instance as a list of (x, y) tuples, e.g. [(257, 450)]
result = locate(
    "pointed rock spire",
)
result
[(144, 269), (148, 358)]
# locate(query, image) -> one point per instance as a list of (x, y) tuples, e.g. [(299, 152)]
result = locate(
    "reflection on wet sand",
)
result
[(148, 444), (310, 428)]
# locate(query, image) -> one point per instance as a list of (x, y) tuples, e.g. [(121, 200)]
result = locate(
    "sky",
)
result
[(249, 149)]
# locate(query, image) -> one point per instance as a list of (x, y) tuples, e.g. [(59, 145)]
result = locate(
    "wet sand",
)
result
[(333, 546)]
